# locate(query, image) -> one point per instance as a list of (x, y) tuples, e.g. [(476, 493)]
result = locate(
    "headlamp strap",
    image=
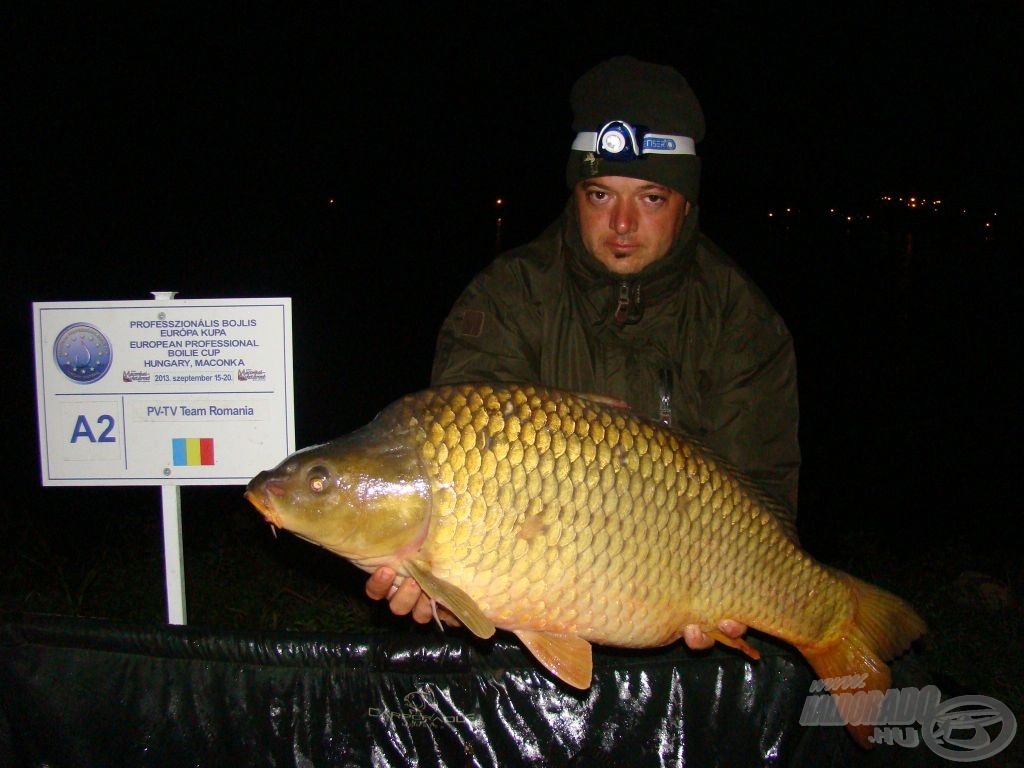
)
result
[(619, 140)]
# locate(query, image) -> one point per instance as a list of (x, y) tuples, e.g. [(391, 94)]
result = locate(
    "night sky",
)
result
[(198, 151), (170, 134)]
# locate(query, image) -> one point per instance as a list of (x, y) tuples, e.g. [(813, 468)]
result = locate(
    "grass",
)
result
[(971, 602), (105, 564), (970, 597)]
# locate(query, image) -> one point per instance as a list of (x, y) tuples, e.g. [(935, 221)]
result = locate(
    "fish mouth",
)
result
[(262, 502)]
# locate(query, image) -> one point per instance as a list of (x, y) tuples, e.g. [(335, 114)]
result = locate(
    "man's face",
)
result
[(627, 223)]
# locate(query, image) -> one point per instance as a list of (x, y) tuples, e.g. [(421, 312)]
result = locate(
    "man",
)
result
[(624, 296)]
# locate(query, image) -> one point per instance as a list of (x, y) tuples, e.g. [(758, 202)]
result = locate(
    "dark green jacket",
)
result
[(545, 313)]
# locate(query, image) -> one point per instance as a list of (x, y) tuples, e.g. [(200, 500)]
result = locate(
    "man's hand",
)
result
[(405, 598), (699, 640)]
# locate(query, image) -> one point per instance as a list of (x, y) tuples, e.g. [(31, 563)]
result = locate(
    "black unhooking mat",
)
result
[(76, 692)]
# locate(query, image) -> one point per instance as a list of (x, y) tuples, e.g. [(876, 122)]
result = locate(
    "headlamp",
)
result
[(619, 140)]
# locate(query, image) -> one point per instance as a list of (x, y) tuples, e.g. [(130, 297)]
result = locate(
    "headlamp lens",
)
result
[(618, 140)]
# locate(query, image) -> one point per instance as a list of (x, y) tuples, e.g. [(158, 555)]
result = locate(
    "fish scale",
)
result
[(630, 472), (567, 520)]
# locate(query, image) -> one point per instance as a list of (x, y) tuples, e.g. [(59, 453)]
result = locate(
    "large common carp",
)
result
[(568, 520)]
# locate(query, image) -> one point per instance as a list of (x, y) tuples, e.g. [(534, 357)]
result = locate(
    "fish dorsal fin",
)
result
[(454, 599), (611, 402), (566, 656), (788, 525)]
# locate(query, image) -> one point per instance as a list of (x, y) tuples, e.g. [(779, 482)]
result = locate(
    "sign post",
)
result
[(174, 555), (174, 552), (165, 392)]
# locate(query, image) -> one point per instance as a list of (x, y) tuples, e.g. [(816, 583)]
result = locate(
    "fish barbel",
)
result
[(567, 520)]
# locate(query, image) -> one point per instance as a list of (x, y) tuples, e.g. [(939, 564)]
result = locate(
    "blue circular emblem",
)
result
[(82, 353)]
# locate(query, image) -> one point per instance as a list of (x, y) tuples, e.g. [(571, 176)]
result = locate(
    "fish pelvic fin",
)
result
[(734, 642), (451, 597), (880, 628), (568, 657)]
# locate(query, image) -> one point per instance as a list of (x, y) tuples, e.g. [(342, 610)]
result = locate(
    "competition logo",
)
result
[(251, 374), (129, 377), (82, 353)]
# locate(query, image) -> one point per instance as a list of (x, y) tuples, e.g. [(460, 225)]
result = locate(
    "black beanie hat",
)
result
[(650, 96)]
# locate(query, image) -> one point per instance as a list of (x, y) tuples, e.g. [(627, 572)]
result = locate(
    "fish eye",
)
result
[(317, 478)]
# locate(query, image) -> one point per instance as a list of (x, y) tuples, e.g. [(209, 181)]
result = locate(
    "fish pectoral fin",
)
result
[(568, 657), (454, 599), (734, 642)]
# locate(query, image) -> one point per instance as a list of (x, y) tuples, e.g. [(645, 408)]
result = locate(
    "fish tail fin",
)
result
[(880, 627)]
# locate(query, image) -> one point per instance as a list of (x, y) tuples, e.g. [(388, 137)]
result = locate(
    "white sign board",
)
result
[(164, 392)]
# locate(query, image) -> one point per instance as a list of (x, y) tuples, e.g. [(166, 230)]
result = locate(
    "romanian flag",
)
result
[(192, 451)]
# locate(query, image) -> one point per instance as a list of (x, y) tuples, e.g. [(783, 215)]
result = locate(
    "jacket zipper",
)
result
[(665, 396), (629, 308)]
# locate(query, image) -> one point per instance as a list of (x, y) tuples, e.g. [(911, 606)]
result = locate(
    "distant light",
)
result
[(988, 223), (330, 201), (789, 210), (771, 214), (849, 218), (831, 210), (499, 201)]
